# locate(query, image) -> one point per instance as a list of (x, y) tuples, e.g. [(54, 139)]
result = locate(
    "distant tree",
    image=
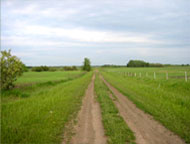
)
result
[(70, 68), (137, 63), (40, 68), (140, 63), (11, 68), (86, 65)]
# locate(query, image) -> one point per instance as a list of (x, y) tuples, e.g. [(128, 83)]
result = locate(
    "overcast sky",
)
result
[(63, 32)]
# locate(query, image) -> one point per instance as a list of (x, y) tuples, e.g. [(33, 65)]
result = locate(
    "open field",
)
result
[(41, 117), (32, 83), (38, 77), (161, 73), (41, 105), (168, 101)]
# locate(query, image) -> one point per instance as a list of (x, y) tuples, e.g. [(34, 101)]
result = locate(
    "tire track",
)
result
[(146, 129), (89, 129)]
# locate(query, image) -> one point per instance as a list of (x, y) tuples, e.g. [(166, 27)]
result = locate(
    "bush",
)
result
[(137, 63), (40, 68), (86, 66), (140, 63), (11, 68), (70, 68)]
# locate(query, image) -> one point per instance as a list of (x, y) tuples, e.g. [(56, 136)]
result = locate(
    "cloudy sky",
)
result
[(63, 32)]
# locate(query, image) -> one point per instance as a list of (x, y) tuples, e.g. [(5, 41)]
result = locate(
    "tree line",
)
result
[(12, 67), (140, 63)]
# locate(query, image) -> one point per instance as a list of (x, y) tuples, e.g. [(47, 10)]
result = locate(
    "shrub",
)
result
[(11, 68), (137, 63), (140, 63), (40, 68), (70, 68)]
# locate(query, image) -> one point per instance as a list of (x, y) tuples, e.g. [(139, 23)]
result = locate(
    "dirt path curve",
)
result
[(146, 129), (89, 129)]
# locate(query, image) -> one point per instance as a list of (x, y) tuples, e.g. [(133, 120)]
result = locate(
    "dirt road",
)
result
[(146, 129), (89, 129)]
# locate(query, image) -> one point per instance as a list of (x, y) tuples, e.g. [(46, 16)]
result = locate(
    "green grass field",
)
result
[(40, 105), (115, 127), (32, 83), (37, 77), (41, 117), (167, 100)]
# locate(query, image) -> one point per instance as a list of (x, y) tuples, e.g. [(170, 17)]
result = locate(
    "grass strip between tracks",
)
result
[(115, 127)]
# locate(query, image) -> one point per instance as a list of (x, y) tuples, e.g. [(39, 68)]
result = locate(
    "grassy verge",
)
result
[(115, 127), (26, 90), (41, 118), (40, 77), (170, 107)]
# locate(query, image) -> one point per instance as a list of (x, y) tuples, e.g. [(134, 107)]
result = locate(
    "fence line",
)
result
[(185, 76), (155, 76)]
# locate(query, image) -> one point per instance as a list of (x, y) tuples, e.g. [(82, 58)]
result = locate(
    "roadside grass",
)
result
[(42, 117), (167, 101), (29, 89), (39, 77), (115, 127)]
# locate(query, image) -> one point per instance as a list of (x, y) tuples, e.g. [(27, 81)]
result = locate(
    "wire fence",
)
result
[(157, 75)]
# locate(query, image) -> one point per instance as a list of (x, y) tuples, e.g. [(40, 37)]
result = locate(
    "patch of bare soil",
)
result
[(146, 129), (89, 129)]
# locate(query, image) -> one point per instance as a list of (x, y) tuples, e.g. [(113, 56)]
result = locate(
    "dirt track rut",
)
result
[(146, 129), (89, 129)]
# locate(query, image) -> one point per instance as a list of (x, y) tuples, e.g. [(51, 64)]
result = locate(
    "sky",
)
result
[(64, 32)]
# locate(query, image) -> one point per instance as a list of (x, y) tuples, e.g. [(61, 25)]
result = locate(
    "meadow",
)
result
[(37, 113), (41, 104), (31, 83), (37, 77), (167, 100)]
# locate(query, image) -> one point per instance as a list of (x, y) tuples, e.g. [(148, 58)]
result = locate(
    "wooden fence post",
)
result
[(166, 75), (185, 76)]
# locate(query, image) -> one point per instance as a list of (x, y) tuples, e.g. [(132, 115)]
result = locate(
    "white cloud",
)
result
[(35, 42), (140, 28), (84, 35)]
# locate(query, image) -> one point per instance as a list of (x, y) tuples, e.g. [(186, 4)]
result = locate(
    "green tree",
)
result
[(137, 63), (11, 68), (86, 65)]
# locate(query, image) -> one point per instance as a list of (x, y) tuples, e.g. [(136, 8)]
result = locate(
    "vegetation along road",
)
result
[(146, 129), (96, 107)]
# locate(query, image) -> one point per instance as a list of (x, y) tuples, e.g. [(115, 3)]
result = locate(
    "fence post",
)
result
[(154, 75), (166, 75), (185, 76)]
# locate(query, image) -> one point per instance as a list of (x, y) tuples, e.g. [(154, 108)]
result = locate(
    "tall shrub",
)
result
[(11, 68)]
